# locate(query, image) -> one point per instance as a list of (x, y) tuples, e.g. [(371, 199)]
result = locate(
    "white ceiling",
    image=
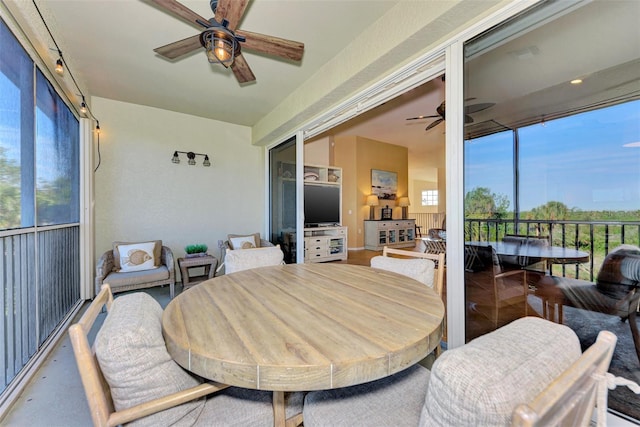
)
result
[(111, 43)]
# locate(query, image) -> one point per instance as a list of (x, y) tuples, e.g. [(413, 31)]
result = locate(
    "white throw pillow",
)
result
[(136, 256), (244, 242)]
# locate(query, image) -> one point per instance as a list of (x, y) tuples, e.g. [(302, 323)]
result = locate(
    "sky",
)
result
[(589, 161)]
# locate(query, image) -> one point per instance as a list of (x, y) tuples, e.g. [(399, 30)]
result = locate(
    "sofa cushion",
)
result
[(252, 258), (419, 269), (157, 252), (244, 241), (482, 382), (134, 360), (136, 277)]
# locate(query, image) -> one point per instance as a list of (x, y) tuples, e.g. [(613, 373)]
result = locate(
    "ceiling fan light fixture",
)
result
[(221, 46)]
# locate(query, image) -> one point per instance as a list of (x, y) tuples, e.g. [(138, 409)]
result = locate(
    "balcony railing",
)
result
[(597, 238)]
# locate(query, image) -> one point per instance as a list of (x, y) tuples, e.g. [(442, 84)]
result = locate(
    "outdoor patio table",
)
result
[(302, 327), (552, 254)]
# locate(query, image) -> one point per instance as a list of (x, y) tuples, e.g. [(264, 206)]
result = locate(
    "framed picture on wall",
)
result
[(384, 184)]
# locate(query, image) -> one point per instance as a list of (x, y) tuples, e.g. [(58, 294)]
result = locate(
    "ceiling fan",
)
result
[(222, 40), (469, 109)]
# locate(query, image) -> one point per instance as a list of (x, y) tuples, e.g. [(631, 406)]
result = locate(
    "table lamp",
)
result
[(372, 201), (403, 202)]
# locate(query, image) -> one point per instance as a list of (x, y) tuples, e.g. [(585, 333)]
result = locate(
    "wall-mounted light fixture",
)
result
[(403, 202), (192, 158), (372, 201)]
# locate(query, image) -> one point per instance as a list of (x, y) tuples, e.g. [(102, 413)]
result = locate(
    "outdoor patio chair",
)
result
[(430, 275), (128, 375), (238, 260), (616, 291), (531, 361), (160, 272), (490, 288)]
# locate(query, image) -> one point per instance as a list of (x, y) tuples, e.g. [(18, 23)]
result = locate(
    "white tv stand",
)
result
[(325, 244)]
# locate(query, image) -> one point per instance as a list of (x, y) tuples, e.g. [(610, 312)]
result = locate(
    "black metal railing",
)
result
[(597, 238)]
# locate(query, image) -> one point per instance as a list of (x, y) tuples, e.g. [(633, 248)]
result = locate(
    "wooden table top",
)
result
[(301, 327)]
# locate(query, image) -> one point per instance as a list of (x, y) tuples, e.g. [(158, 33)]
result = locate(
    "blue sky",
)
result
[(589, 161)]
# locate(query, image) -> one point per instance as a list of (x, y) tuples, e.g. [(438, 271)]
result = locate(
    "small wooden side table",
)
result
[(207, 262)]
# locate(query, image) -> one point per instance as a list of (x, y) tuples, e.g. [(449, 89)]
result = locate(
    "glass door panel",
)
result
[(553, 156), (282, 170)]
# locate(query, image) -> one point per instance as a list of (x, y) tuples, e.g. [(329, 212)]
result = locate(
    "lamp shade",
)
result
[(372, 200), (403, 202)]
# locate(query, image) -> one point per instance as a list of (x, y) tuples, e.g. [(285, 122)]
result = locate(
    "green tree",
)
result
[(554, 211), (9, 192), (481, 203)]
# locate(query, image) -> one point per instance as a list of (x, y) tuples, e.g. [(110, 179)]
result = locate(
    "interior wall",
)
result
[(415, 196), (357, 156), (317, 152), (140, 194)]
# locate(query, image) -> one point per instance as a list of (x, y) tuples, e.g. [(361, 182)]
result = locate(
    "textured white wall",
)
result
[(140, 194)]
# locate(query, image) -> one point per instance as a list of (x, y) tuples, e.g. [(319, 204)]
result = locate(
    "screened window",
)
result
[(57, 141), (16, 134), (39, 185)]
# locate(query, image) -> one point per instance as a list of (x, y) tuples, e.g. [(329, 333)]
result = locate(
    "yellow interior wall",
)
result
[(357, 156)]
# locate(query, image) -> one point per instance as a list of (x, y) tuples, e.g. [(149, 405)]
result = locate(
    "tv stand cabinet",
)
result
[(325, 244), (395, 233)]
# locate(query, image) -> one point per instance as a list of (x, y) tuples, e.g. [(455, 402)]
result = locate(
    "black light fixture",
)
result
[(59, 64), (192, 158), (83, 106), (59, 67), (222, 44)]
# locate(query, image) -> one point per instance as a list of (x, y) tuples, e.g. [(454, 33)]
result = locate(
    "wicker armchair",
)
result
[(126, 281)]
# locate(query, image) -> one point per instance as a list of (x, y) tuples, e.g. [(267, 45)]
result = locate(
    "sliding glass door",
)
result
[(556, 158)]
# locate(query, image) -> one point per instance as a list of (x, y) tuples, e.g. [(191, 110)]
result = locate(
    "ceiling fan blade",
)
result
[(241, 70), (179, 48), (434, 124), (181, 11), (470, 109), (287, 49), (231, 10), (421, 117)]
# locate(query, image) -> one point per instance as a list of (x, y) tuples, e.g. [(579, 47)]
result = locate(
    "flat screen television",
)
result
[(321, 205)]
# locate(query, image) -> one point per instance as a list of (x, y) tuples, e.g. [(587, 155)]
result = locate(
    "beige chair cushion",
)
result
[(252, 258), (120, 279), (391, 401), (134, 360), (157, 252), (419, 269), (482, 382)]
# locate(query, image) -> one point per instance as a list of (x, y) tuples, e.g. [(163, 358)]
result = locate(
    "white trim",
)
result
[(87, 247), (299, 197), (454, 158), (413, 75)]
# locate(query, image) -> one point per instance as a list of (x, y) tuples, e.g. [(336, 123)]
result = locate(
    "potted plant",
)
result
[(196, 250)]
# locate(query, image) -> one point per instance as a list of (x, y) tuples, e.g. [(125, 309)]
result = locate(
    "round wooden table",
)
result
[(552, 254), (302, 327)]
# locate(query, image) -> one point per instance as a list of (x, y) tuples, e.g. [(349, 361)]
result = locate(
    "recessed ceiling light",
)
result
[(576, 81)]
